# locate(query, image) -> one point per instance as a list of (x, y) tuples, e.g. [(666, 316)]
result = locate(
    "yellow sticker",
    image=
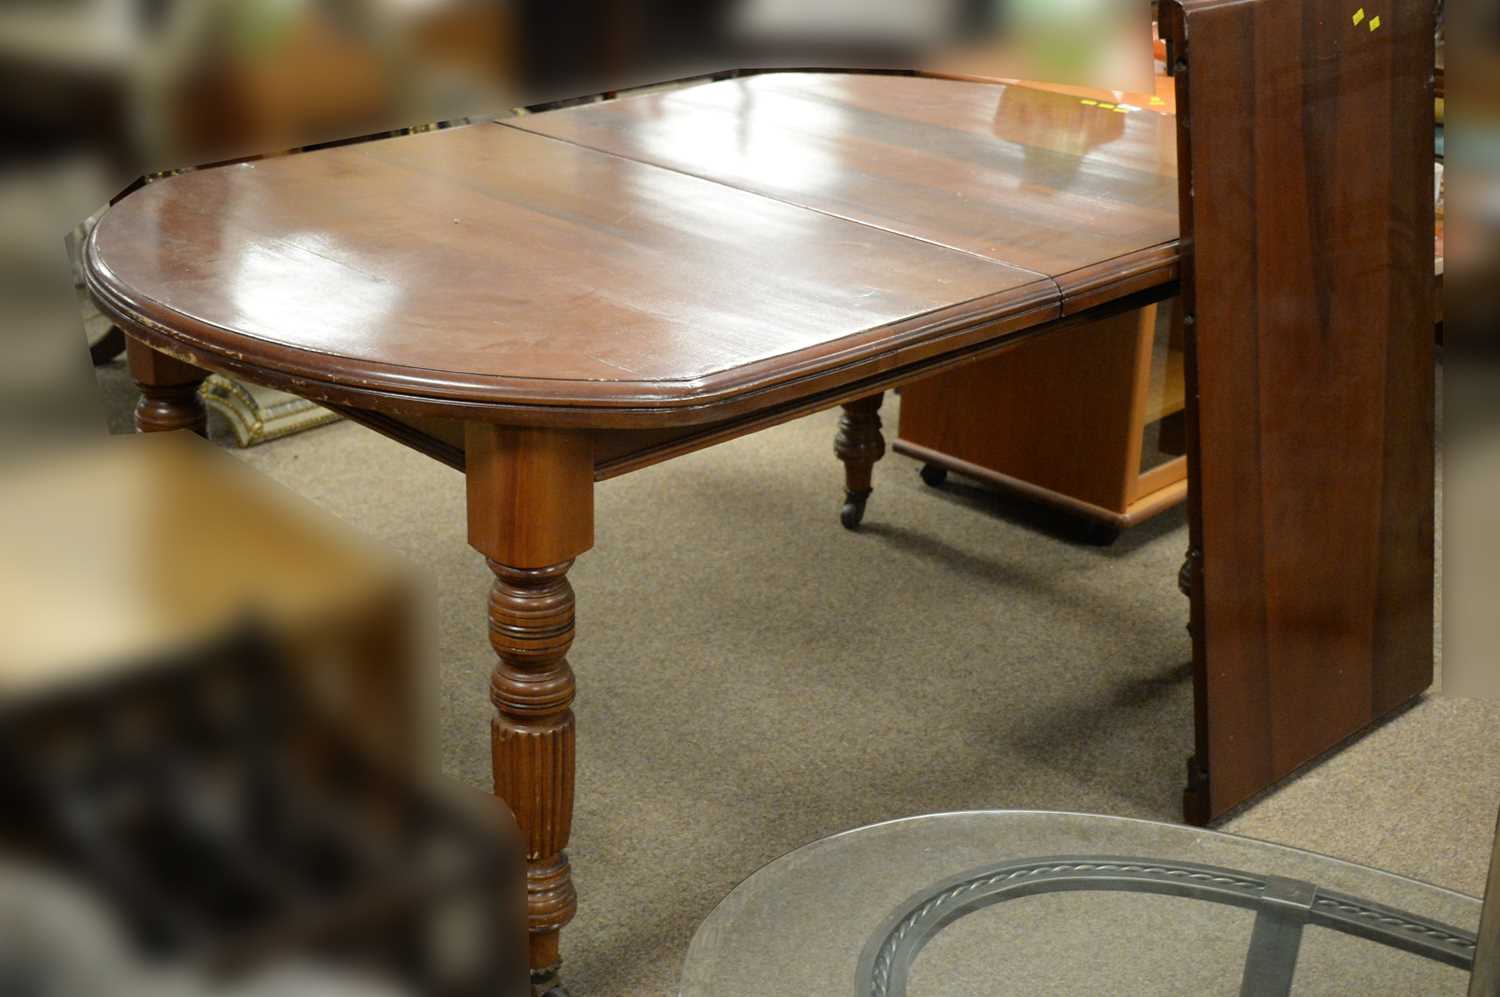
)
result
[(1374, 22), (1105, 106), (1157, 100), (1089, 102), (1123, 110), (1359, 15)]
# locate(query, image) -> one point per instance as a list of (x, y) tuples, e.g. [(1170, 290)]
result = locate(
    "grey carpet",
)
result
[(753, 677)]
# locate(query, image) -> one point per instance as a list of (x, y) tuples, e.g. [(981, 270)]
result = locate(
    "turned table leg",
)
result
[(530, 509), (859, 445), (531, 737), (169, 391)]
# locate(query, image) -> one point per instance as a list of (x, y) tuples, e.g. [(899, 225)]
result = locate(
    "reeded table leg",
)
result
[(531, 737), (169, 391), (859, 445), (530, 499)]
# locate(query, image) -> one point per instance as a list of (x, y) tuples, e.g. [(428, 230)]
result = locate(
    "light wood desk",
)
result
[(556, 299)]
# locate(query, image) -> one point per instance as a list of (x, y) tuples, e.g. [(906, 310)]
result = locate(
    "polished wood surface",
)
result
[(485, 271), (532, 738), (1062, 419), (531, 512), (579, 314), (1056, 411), (169, 391), (542, 313), (531, 493), (859, 444), (1306, 144), (1032, 178)]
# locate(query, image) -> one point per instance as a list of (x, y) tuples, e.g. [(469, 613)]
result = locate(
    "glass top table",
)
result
[(1017, 902)]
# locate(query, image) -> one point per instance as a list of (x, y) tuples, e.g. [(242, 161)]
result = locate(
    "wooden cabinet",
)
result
[(1089, 418)]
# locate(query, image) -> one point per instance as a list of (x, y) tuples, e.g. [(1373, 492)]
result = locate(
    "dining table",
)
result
[(547, 300)]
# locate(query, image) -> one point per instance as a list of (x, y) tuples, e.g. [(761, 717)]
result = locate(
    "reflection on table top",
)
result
[(845, 219), (1030, 177)]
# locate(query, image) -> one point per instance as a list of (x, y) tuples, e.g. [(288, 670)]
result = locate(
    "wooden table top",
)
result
[(662, 260), (1015, 174)]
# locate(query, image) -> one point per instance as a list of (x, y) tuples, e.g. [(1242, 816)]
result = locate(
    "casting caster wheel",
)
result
[(545, 983), (853, 512), (933, 475)]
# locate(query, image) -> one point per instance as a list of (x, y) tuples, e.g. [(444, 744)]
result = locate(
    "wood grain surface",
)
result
[(1029, 177), (490, 272), (486, 265), (1056, 412), (1307, 204)]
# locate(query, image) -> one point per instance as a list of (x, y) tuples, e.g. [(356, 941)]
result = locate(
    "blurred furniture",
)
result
[(159, 568), (1015, 902), (1088, 419), (242, 703), (68, 70), (229, 830), (760, 248)]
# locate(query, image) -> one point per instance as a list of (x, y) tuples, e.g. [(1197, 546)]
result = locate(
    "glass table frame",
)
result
[(810, 910)]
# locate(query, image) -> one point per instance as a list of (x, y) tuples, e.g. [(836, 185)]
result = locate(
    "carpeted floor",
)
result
[(753, 677)]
